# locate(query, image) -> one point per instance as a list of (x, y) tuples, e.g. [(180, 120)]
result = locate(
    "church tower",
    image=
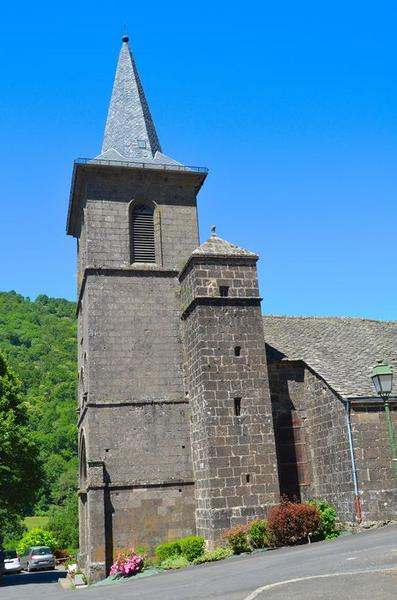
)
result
[(233, 448), (133, 212)]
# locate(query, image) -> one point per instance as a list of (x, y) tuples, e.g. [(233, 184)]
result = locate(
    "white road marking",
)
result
[(270, 586)]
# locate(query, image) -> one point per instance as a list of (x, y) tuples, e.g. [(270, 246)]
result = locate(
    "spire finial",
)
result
[(125, 37), (213, 231)]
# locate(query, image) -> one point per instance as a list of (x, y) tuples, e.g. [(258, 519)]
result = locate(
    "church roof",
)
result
[(341, 350), (130, 133), (216, 246)]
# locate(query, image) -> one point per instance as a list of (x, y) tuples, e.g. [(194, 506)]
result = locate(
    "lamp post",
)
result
[(382, 378)]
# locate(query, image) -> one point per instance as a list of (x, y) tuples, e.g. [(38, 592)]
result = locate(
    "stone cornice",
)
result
[(219, 301)]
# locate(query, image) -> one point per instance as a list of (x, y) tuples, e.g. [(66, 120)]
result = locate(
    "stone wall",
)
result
[(152, 514), (376, 476), (231, 428), (140, 443), (108, 195), (311, 438), (329, 447), (134, 339)]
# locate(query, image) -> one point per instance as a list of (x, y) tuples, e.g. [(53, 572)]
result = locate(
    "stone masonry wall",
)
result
[(156, 514), (134, 338), (134, 413), (141, 443), (329, 447), (233, 454), (108, 197), (376, 476), (318, 459)]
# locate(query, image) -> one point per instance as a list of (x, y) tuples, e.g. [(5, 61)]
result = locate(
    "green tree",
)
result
[(39, 339), (12, 528), (37, 537), (64, 514), (20, 470), (63, 522)]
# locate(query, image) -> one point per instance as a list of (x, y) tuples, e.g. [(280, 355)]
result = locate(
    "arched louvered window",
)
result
[(142, 234)]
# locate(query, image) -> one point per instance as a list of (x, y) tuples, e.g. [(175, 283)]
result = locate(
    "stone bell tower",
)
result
[(133, 212)]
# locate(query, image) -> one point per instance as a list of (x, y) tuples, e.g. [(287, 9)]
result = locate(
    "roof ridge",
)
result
[(329, 318)]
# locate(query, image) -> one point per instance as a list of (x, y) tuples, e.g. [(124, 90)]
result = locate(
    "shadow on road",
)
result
[(29, 578)]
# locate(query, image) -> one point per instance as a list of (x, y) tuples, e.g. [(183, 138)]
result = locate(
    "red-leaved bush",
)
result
[(291, 522)]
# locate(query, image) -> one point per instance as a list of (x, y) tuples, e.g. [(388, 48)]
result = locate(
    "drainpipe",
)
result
[(353, 461)]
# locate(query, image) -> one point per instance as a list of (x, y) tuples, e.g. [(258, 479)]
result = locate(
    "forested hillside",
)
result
[(39, 340)]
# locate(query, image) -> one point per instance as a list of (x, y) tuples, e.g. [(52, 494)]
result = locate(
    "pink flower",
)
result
[(127, 563)]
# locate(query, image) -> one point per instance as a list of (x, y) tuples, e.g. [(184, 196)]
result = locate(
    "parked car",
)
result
[(36, 558), (12, 563), (1, 563)]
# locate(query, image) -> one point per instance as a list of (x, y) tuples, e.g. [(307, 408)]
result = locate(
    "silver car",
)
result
[(36, 558), (12, 563)]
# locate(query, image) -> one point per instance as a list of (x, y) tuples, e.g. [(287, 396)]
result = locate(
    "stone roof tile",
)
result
[(341, 350), (129, 130), (216, 246)]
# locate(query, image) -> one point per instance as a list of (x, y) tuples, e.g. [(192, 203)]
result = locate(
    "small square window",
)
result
[(224, 291), (142, 144)]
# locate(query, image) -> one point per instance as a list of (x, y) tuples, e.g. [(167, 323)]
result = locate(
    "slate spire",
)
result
[(129, 131)]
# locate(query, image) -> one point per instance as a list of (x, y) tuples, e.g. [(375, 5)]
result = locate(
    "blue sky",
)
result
[(292, 106)]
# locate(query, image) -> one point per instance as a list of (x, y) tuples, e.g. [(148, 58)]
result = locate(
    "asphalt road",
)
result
[(362, 566)]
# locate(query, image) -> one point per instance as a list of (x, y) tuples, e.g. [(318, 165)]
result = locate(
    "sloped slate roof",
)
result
[(216, 246), (129, 118), (341, 350)]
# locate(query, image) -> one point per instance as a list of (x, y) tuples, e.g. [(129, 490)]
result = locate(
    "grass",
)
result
[(32, 522)]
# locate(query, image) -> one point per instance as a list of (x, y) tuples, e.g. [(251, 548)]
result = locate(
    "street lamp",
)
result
[(382, 378)]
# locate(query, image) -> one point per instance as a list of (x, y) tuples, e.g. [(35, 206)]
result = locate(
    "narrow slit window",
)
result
[(224, 291), (247, 478), (237, 350), (237, 407), (142, 232)]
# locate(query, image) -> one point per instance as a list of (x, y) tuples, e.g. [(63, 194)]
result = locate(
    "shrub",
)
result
[(192, 546), (127, 563), (175, 562), (168, 550), (291, 523), (219, 553), (237, 539), (148, 559), (326, 529), (143, 550), (68, 562), (257, 534), (37, 537), (63, 522)]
